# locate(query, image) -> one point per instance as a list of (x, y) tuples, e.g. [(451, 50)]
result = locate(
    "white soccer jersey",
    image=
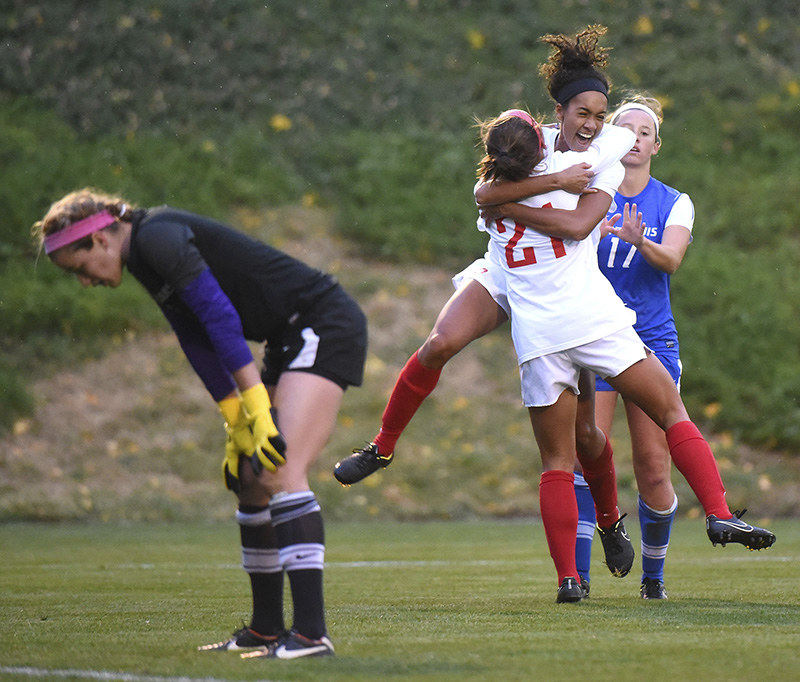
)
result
[(558, 297)]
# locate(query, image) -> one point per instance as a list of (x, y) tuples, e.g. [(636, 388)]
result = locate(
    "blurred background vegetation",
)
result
[(366, 110)]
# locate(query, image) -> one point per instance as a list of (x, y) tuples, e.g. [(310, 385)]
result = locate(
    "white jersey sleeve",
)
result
[(604, 156), (609, 180), (682, 213), (610, 146)]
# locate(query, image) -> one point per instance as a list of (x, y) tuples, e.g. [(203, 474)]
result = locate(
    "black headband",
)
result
[(576, 87)]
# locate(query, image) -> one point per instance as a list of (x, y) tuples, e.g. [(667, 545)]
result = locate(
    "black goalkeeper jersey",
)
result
[(169, 248)]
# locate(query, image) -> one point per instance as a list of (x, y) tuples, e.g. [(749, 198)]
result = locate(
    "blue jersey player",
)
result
[(639, 264)]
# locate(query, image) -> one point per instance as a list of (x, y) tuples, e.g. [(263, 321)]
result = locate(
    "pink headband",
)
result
[(525, 116), (76, 231), (519, 113)]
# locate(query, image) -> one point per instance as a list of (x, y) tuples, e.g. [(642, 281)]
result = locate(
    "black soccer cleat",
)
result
[(569, 591), (723, 531), (585, 587), (294, 645), (617, 547), (652, 588), (363, 462), (243, 638)]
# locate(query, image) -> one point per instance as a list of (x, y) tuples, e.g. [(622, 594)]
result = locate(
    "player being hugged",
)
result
[(566, 318), (217, 288)]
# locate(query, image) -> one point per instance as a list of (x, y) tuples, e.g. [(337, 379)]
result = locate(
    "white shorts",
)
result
[(490, 277), (544, 379)]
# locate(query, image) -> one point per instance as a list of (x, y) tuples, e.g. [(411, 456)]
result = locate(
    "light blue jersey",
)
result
[(642, 287)]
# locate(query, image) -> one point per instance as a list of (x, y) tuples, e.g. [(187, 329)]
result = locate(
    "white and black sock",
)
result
[(261, 561), (297, 520)]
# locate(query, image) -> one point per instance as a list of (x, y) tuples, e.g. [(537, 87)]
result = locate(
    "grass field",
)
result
[(426, 601)]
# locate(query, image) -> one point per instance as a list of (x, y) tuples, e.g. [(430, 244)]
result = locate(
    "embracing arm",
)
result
[(573, 180), (576, 224)]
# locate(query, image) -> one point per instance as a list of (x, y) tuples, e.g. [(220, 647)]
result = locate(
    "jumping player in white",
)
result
[(479, 305), (579, 88)]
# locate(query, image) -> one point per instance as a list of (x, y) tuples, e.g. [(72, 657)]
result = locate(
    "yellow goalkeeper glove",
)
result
[(238, 441), (269, 446)]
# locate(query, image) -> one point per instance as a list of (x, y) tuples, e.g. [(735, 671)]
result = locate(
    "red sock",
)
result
[(560, 519), (602, 479), (414, 384), (693, 458)]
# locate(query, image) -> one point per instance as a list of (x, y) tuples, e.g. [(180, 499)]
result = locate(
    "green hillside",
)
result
[(367, 109)]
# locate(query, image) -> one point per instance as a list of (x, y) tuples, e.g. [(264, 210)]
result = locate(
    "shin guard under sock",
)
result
[(656, 527), (586, 523), (602, 479)]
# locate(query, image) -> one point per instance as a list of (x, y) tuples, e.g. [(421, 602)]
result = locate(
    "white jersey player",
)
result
[(556, 293)]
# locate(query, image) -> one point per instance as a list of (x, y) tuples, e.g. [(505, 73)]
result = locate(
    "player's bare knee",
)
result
[(653, 479), (588, 439), (439, 348), (252, 491)]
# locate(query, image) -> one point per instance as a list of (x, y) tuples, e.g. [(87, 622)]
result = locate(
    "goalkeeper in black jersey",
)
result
[(219, 288)]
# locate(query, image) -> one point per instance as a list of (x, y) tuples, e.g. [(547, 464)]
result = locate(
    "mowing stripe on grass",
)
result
[(103, 675), (389, 563)]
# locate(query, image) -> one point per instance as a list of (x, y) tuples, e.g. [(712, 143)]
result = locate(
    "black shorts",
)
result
[(329, 340)]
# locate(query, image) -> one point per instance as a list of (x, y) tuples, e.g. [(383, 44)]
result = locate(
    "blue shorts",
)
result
[(666, 351)]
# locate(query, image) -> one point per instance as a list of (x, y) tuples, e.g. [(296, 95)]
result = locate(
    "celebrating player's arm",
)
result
[(603, 158), (575, 224), (574, 180), (607, 149)]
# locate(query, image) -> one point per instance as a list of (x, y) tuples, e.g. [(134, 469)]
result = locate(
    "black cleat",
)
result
[(652, 588), (294, 645), (585, 587), (569, 591), (723, 531), (363, 462), (617, 547), (243, 638)]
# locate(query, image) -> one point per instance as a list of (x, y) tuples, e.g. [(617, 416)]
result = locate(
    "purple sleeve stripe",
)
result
[(202, 357), (219, 318)]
